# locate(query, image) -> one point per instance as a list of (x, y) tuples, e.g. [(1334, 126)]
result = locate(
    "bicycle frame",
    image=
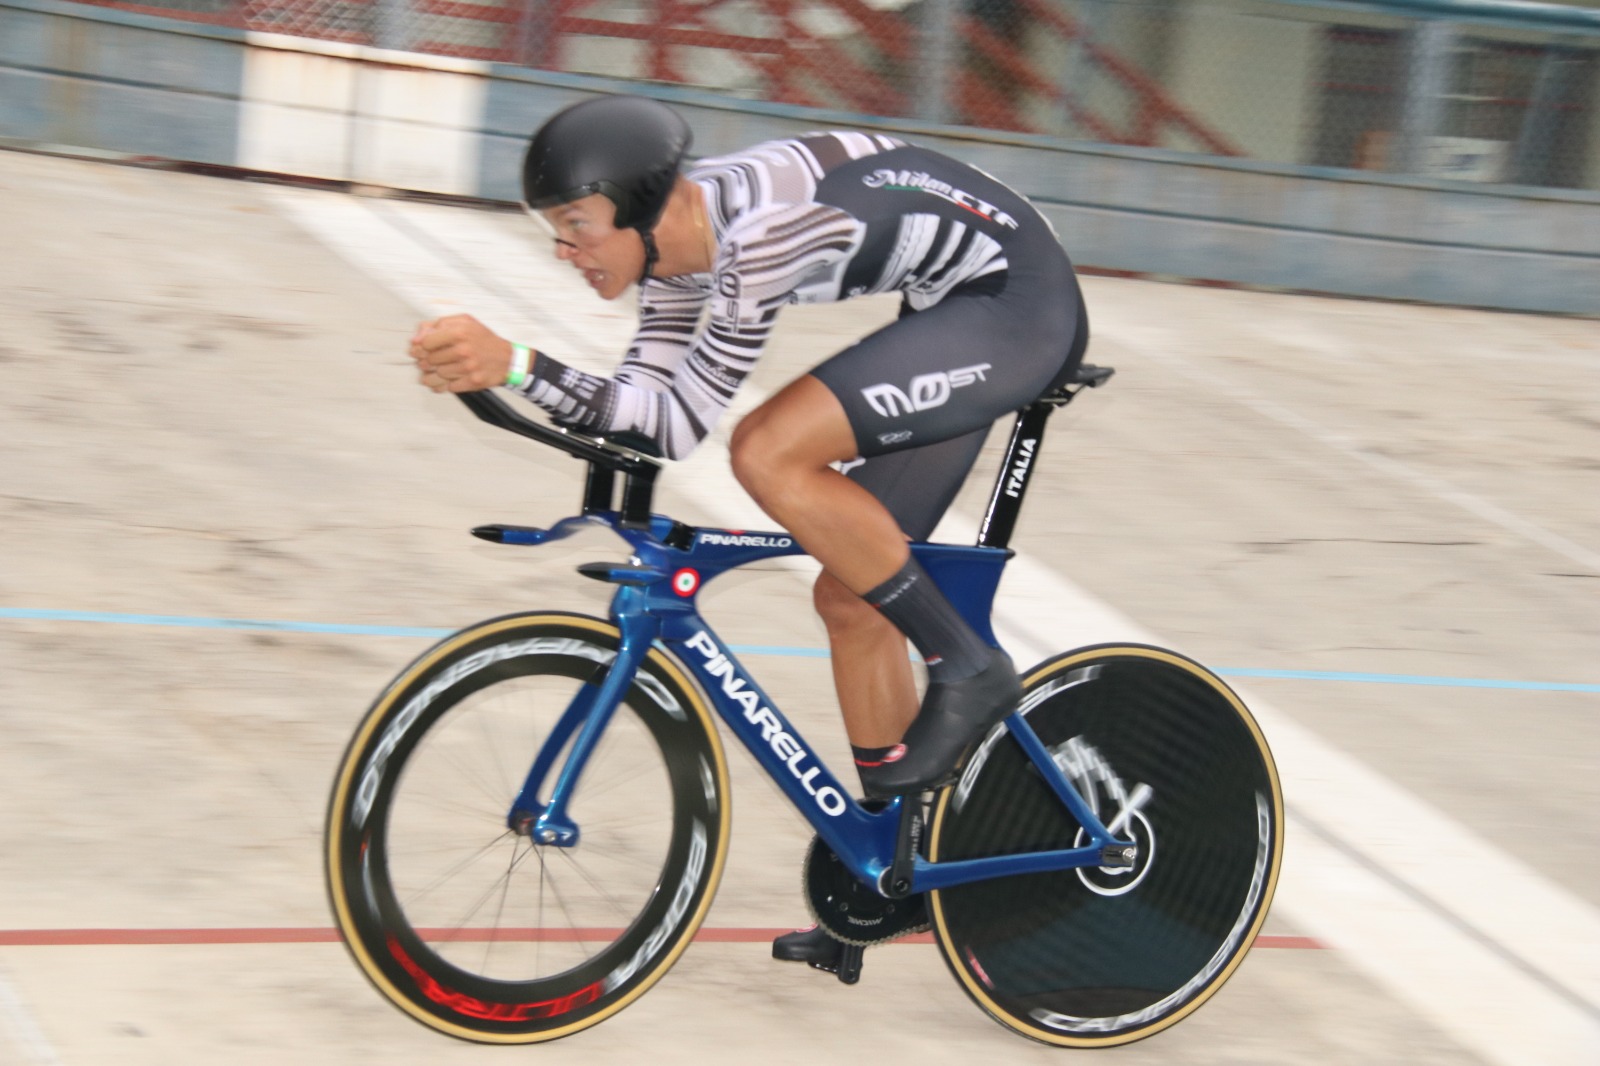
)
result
[(655, 603)]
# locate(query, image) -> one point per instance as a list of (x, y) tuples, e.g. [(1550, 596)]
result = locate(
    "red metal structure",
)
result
[(866, 69)]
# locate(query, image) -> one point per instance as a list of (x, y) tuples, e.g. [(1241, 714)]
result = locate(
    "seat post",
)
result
[(1011, 484)]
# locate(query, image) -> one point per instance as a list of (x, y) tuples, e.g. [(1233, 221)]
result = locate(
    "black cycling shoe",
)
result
[(955, 716), (822, 951)]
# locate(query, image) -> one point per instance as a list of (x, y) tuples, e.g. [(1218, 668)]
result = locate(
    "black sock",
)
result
[(918, 609), (871, 756)]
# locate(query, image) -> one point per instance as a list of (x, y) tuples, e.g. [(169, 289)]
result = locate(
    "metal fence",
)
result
[(1470, 90)]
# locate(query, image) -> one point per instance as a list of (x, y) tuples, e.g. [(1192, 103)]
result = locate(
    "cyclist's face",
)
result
[(610, 259)]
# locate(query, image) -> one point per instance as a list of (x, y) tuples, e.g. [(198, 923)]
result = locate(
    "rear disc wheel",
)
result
[(1165, 754)]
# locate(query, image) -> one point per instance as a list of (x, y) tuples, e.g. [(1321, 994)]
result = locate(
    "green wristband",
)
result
[(521, 360)]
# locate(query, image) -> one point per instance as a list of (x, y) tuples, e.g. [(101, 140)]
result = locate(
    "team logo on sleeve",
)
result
[(921, 181), (731, 302)]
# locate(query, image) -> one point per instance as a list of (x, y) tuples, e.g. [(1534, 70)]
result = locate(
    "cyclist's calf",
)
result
[(871, 666), (846, 615)]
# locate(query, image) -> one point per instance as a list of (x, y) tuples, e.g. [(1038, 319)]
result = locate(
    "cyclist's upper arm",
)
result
[(773, 254), (669, 316)]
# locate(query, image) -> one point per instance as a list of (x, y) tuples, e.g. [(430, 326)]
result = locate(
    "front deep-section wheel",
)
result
[(463, 919), (1166, 755)]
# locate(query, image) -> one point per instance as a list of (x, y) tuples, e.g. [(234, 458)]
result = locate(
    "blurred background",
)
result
[(1479, 90), (1442, 150)]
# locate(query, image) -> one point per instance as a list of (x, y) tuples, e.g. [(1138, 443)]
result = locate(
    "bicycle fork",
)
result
[(588, 715)]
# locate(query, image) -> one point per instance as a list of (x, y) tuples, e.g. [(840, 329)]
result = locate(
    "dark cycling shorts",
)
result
[(990, 347), (918, 485), (954, 369)]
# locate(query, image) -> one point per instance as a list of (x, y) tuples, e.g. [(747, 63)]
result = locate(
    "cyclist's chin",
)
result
[(607, 285)]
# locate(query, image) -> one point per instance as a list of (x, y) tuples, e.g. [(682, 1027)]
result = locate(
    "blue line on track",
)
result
[(1410, 679), (186, 622), (274, 626), (269, 625)]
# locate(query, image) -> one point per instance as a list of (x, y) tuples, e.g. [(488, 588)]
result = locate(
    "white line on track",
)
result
[(19, 1033), (1492, 952)]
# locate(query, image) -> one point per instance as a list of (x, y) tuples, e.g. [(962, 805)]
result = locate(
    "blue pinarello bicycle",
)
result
[(530, 823)]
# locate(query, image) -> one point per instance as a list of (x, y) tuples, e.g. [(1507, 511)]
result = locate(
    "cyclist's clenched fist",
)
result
[(458, 353)]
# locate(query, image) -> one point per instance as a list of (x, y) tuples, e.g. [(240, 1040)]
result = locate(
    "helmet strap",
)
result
[(651, 253)]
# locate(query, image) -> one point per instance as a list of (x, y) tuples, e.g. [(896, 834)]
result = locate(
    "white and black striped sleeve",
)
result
[(675, 398), (669, 315), (767, 257)]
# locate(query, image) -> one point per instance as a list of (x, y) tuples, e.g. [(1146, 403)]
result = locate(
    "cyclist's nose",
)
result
[(565, 250)]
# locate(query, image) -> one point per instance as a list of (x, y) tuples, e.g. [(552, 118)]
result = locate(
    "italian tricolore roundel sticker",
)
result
[(685, 581)]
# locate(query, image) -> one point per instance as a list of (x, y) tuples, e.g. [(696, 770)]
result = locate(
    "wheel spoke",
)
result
[(487, 894), (418, 894), (544, 871), (496, 798), (593, 883), (499, 911)]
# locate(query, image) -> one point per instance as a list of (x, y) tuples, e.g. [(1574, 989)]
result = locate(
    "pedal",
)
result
[(820, 951), (849, 971)]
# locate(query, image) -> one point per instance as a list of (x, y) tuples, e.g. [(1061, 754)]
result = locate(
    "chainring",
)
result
[(848, 909)]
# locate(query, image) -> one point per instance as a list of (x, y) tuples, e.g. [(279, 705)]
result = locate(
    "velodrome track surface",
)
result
[(228, 516)]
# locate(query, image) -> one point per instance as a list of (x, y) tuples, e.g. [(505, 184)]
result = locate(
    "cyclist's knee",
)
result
[(751, 460), (801, 429), (763, 451), (841, 610)]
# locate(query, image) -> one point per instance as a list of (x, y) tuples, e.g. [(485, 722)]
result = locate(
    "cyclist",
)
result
[(862, 453)]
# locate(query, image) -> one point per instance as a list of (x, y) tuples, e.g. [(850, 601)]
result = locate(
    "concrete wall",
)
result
[(81, 76), (359, 114), (97, 79)]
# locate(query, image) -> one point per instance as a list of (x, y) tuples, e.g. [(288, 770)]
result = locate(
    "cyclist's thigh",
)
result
[(948, 370), (918, 485)]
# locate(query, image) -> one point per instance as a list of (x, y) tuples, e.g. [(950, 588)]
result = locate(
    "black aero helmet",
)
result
[(627, 148)]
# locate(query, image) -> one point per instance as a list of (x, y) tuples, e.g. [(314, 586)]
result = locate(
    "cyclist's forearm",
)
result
[(602, 405), (569, 394)]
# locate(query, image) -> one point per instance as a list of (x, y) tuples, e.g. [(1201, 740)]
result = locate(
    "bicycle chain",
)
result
[(850, 911)]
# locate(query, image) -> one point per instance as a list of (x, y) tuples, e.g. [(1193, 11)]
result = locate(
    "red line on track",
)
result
[(289, 935)]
